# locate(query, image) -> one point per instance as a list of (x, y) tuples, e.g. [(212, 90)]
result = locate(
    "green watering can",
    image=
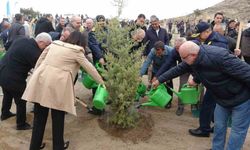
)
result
[(141, 90), (188, 95), (158, 97), (2, 53), (99, 68), (88, 81), (100, 97)]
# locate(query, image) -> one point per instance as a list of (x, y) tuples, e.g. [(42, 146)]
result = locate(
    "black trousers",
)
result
[(8, 95), (207, 111), (39, 123)]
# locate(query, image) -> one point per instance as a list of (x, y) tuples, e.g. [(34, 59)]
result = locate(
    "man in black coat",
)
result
[(228, 79), (155, 33), (205, 35), (14, 67), (44, 24)]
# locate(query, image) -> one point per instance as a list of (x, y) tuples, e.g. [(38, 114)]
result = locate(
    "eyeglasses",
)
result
[(185, 57)]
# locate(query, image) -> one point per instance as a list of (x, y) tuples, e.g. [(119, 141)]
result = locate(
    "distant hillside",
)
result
[(233, 9)]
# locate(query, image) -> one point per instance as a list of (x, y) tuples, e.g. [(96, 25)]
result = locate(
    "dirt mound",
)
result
[(142, 131)]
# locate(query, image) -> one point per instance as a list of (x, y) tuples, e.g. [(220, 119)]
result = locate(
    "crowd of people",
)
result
[(52, 50)]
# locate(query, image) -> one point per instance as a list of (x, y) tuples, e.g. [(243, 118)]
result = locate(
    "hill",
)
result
[(233, 9)]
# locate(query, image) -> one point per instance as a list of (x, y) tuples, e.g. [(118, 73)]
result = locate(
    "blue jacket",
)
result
[(225, 75), (157, 61), (94, 46), (169, 63), (151, 37), (216, 39)]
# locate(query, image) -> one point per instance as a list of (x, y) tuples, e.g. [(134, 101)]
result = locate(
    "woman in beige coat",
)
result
[(51, 87)]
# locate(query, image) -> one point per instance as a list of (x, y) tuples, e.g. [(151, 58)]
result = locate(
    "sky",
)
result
[(161, 8)]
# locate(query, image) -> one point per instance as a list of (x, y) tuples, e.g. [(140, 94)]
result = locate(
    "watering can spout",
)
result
[(149, 104), (176, 93)]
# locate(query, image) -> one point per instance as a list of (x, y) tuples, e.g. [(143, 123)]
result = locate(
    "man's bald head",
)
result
[(89, 23), (189, 52), (76, 22)]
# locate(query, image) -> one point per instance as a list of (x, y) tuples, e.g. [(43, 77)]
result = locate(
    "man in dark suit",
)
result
[(155, 33), (228, 79), (44, 24), (14, 67)]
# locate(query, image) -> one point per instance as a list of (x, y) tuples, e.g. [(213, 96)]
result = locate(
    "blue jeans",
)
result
[(240, 124)]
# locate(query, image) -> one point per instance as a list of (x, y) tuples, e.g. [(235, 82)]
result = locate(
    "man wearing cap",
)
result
[(205, 35)]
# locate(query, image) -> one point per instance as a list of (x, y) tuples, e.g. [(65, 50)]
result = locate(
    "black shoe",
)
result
[(198, 133), (10, 114), (66, 145), (95, 111), (168, 106), (26, 126), (179, 111)]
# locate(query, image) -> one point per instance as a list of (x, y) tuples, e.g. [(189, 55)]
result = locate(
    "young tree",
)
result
[(122, 76)]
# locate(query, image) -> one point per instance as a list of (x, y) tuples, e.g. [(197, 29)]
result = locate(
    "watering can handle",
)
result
[(151, 89), (185, 85), (103, 85)]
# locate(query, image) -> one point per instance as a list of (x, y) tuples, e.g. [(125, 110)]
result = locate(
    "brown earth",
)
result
[(168, 131), (140, 133)]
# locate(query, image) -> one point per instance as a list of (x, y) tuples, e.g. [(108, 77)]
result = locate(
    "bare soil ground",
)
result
[(168, 131)]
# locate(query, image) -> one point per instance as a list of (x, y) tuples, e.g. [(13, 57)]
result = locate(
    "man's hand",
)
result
[(191, 82), (237, 52), (155, 84), (101, 61), (154, 79)]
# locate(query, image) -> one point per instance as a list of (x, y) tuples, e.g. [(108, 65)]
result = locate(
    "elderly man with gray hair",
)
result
[(14, 67), (75, 23), (155, 33)]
